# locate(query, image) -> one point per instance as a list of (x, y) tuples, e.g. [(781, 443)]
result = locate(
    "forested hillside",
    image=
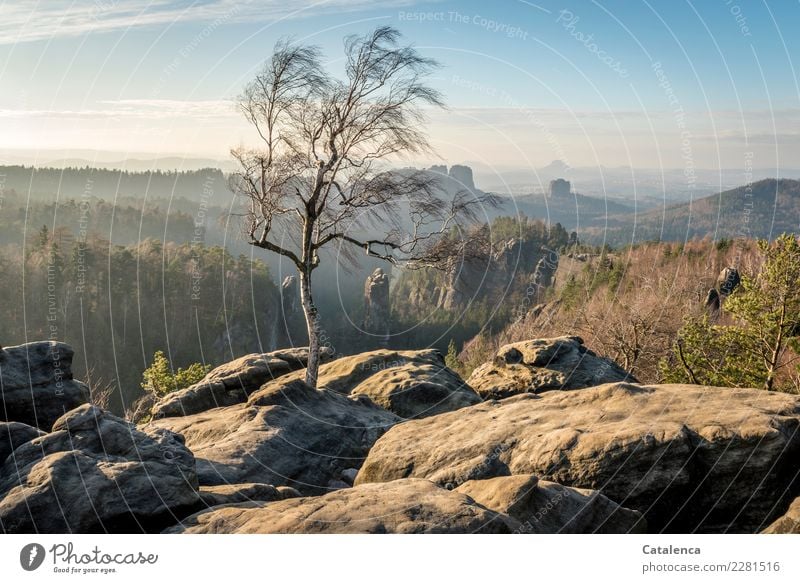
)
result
[(117, 305)]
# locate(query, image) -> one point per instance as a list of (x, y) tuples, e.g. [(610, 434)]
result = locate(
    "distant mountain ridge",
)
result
[(761, 210)]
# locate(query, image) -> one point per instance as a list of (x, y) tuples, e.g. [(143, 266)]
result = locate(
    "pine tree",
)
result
[(761, 342)]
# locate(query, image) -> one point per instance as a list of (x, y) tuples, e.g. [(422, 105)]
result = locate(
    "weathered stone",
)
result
[(97, 473), (14, 434), (548, 508), (789, 523), (544, 364), (690, 458), (238, 493), (232, 382), (349, 475), (410, 383), (36, 383), (286, 434), (377, 307), (400, 507)]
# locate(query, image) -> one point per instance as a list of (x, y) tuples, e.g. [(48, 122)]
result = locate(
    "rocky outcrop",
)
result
[(287, 434), (548, 508), (728, 280), (14, 434), (409, 383), (232, 382), (96, 473), (789, 523), (400, 507), (239, 493), (545, 272), (690, 458), (462, 176), (377, 308), (37, 385), (290, 295), (544, 364)]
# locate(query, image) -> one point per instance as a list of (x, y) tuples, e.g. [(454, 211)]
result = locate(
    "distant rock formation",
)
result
[(544, 274), (377, 307), (463, 176), (727, 282), (559, 188), (37, 384), (290, 295)]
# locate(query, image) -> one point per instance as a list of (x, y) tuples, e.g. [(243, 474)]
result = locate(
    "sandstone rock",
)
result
[(286, 434), (789, 523), (349, 475), (462, 175), (400, 507), (37, 385), (410, 383), (690, 458), (14, 434), (290, 295), (728, 280), (96, 473), (549, 508), (238, 493), (377, 306), (232, 382), (541, 365)]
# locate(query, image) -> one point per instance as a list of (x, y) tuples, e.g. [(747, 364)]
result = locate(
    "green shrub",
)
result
[(159, 378)]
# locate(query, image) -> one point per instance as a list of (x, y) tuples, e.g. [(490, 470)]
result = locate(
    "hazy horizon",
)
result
[(651, 86)]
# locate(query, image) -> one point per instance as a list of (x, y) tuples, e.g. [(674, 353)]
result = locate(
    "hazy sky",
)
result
[(648, 84)]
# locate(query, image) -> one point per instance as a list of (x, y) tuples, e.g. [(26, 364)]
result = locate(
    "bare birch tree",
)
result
[(320, 176)]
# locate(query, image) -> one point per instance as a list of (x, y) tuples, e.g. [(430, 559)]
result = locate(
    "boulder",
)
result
[(400, 507), (548, 508), (789, 523), (410, 383), (544, 364), (96, 473), (232, 382), (689, 458), (287, 434), (14, 434), (36, 383), (238, 493)]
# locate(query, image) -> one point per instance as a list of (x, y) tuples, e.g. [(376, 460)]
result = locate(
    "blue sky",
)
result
[(611, 82)]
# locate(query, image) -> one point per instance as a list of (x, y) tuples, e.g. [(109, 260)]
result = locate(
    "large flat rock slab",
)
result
[(401, 507), (544, 507), (689, 458), (410, 383), (233, 382), (285, 435)]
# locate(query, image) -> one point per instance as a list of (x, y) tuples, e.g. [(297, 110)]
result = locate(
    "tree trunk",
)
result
[(312, 325)]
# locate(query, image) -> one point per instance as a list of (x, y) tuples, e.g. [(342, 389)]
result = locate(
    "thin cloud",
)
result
[(33, 20), (154, 109)]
